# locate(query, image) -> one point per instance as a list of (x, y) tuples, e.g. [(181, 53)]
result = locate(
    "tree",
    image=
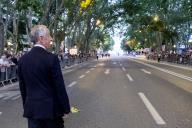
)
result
[(147, 21), (125, 46), (172, 24), (1, 36)]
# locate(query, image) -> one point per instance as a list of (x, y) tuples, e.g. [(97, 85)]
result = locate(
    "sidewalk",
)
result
[(143, 57)]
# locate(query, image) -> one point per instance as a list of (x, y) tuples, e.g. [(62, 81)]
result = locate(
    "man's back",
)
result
[(35, 67), (42, 85)]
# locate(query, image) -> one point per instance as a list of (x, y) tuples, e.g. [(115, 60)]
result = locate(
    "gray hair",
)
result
[(37, 31)]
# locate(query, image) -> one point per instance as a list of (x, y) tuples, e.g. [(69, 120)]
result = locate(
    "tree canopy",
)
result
[(90, 23)]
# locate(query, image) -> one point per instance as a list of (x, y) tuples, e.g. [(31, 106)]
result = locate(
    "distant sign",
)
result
[(73, 51)]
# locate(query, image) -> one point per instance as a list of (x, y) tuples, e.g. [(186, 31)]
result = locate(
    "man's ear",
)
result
[(40, 39)]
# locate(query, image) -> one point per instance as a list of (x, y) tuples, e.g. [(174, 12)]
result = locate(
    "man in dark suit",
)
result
[(42, 87)]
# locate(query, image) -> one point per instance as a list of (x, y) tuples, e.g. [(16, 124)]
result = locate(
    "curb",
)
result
[(8, 86), (165, 63)]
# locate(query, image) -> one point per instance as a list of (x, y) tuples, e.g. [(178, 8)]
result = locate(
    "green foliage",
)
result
[(36, 5), (173, 25), (125, 46), (76, 20)]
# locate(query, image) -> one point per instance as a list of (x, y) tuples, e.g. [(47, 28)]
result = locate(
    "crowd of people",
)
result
[(172, 57), (8, 65), (9, 62)]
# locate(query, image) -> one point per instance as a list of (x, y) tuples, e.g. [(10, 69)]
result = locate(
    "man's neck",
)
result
[(39, 45)]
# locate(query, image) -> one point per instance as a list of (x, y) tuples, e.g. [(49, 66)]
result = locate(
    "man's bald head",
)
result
[(38, 31), (40, 34)]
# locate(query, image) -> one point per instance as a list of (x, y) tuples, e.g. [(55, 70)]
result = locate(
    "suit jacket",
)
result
[(42, 86)]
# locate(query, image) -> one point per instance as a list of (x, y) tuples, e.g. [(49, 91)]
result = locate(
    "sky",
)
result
[(118, 37), (117, 45), (190, 39)]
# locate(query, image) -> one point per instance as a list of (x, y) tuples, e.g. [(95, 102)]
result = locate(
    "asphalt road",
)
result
[(117, 92)]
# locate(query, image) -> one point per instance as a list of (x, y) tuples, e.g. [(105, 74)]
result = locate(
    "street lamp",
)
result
[(98, 22), (174, 48), (156, 18), (9, 43)]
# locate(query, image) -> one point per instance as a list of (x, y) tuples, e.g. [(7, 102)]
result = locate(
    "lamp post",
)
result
[(174, 48), (98, 22), (156, 18), (157, 33)]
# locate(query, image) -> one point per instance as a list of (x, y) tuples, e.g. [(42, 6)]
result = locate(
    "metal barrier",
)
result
[(72, 60), (173, 58), (8, 74)]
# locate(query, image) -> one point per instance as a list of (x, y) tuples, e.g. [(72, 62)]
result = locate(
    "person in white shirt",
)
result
[(3, 65)]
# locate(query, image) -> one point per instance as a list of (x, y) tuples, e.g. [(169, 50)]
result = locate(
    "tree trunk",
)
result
[(29, 16), (15, 32), (1, 37), (29, 24), (87, 34), (46, 12), (55, 25)]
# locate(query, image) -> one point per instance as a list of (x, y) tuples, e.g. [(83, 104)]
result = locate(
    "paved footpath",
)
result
[(142, 57)]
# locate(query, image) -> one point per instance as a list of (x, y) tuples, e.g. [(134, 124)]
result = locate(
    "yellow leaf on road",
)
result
[(74, 110)]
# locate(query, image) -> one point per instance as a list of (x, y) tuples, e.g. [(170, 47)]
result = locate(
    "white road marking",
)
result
[(81, 76), (167, 71), (151, 109), (72, 84), (177, 66), (0, 113), (85, 64), (101, 64), (123, 69), (68, 71), (10, 96), (145, 71), (17, 97), (92, 68), (88, 71), (107, 71), (4, 95), (95, 66), (130, 78), (114, 62), (1, 95)]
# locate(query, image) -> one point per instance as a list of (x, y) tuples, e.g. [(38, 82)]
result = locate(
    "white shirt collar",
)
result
[(39, 45)]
